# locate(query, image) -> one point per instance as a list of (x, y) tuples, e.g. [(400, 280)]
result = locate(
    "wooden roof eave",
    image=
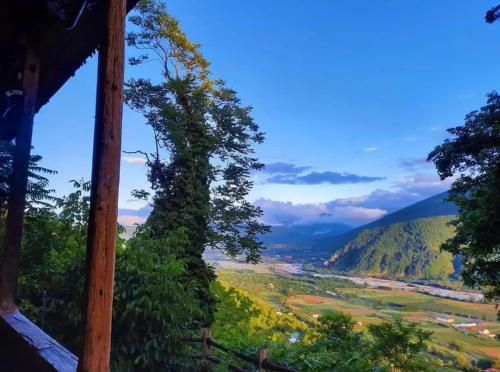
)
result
[(62, 51)]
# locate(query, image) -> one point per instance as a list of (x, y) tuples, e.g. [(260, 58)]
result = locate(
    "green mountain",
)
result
[(402, 249), (431, 207)]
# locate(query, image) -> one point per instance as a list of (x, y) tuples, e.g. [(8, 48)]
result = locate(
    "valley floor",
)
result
[(392, 284), (308, 297)]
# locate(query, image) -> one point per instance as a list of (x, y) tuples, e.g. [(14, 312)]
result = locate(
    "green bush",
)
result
[(456, 346), (154, 304), (484, 363), (397, 342), (153, 308), (463, 362)]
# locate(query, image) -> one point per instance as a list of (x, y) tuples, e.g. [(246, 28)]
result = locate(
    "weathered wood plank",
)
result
[(35, 349), (104, 193)]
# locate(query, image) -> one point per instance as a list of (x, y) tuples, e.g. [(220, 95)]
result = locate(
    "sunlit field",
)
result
[(308, 298)]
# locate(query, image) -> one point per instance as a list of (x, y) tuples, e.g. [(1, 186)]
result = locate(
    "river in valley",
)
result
[(372, 282)]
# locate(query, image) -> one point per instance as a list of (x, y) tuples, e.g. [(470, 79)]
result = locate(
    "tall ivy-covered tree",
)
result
[(200, 170), (473, 157)]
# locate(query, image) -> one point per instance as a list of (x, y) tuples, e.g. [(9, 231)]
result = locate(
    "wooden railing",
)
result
[(260, 360), (25, 347)]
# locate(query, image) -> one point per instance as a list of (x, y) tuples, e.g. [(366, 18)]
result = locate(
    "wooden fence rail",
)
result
[(260, 360)]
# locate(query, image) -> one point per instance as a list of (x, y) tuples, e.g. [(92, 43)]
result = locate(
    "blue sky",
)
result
[(351, 95)]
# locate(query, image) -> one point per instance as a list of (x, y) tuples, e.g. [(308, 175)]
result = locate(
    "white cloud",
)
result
[(134, 160), (358, 214), (287, 213), (370, 149), (357, 210), (132, 216), (414, 163), (131, 220), (423, 184), (279, 213)]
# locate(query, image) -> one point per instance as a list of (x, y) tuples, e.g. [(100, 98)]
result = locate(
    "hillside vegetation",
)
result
[(311, 299), (434, 206), (409, 249)]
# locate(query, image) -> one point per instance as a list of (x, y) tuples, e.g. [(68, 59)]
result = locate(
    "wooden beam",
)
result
[(18, 184), (104, 193), (262, 359), (206, 337)]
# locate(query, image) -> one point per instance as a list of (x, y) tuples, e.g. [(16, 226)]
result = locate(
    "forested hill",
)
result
[(431, 207), (404, 249)]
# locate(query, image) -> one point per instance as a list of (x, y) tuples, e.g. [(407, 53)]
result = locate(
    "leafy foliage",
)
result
[(396, 343), (331, 344), (153, 308), (493, 14), (208, 137), (52, 265), (473, 154), (246, 325), (334, 345), (199, 122), (37, 194)]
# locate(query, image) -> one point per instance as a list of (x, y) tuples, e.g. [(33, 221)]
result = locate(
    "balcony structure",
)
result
[(42, 44)]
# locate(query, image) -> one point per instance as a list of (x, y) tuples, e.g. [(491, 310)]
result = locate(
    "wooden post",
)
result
[(261, 359), (18, 184), (206, 336), (104, 192)]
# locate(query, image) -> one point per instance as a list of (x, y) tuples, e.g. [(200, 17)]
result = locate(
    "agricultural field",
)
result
[(309, 297)]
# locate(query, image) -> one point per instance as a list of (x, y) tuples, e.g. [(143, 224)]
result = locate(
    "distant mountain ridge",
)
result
[(283, 237)]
